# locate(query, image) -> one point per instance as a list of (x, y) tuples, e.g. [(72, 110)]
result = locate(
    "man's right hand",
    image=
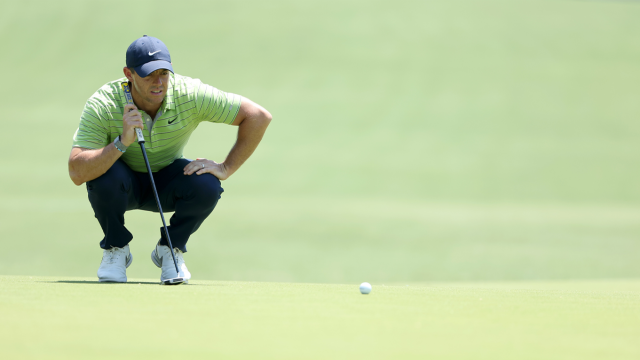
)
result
[(131, 119)]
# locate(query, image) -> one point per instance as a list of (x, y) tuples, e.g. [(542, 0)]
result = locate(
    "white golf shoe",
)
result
[(115, 262), (161, 256)]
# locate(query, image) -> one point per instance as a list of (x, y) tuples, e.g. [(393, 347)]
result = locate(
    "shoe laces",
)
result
[(179, 258), (112, 255)]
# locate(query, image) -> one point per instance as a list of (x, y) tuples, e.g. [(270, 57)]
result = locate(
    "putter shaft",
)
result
[(129, 99), (155, 193)]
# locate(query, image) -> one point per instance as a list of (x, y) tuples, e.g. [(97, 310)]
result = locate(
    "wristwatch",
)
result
[(119, 145)]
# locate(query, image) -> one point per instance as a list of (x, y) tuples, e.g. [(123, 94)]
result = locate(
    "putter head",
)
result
[(174, 281)]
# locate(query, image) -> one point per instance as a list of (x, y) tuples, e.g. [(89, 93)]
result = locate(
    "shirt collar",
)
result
[(169, 103)]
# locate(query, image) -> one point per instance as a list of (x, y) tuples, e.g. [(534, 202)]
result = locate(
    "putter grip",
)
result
[(139, 135), (129, 99), (127, 93)]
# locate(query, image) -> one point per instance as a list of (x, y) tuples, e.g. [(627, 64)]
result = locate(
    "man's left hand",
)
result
[(201, 166)]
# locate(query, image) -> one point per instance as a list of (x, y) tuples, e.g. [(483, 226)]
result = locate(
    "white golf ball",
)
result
[(365, 288)]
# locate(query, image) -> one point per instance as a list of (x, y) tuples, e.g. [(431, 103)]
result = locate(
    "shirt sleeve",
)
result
[(93, 131), (216, 106)]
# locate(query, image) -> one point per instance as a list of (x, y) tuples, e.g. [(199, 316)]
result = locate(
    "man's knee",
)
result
[(205, 189), (114, 185)]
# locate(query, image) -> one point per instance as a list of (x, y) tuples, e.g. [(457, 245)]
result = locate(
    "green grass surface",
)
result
[(482, 148), (61, 318), (411, 141)]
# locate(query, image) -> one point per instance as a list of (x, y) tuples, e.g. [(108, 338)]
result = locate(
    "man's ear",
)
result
[(127, 72)]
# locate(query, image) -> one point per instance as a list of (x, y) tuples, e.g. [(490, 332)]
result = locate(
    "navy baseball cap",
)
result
[(148, 54)]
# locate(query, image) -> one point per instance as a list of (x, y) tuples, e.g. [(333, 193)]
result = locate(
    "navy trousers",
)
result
[(120, 189)]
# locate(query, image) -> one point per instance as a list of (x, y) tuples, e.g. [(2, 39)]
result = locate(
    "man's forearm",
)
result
[(250, 133), (86, 165)]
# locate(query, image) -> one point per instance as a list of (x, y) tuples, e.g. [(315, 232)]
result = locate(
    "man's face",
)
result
[(153, 88)]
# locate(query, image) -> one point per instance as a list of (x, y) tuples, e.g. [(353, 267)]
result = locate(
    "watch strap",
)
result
[(119, 145)]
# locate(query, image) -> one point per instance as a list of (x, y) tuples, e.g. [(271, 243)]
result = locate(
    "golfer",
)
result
[(168, 108)]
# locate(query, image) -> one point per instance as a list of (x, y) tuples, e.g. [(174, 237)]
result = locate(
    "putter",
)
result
[(178, 280)]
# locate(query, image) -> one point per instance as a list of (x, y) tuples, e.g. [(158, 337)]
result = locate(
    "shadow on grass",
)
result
[(103, 283), (88, 282)]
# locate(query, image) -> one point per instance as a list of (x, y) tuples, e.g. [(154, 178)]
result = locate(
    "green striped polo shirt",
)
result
[(188, 102)]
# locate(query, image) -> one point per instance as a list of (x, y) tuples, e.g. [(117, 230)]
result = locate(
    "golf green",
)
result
[(483, 152), (62, 318), (412, 140)]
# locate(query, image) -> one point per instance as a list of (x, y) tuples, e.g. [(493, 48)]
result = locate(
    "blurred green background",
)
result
[(412, 140)]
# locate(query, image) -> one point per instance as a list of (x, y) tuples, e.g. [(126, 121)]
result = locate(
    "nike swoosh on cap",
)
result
[(153, 53)]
